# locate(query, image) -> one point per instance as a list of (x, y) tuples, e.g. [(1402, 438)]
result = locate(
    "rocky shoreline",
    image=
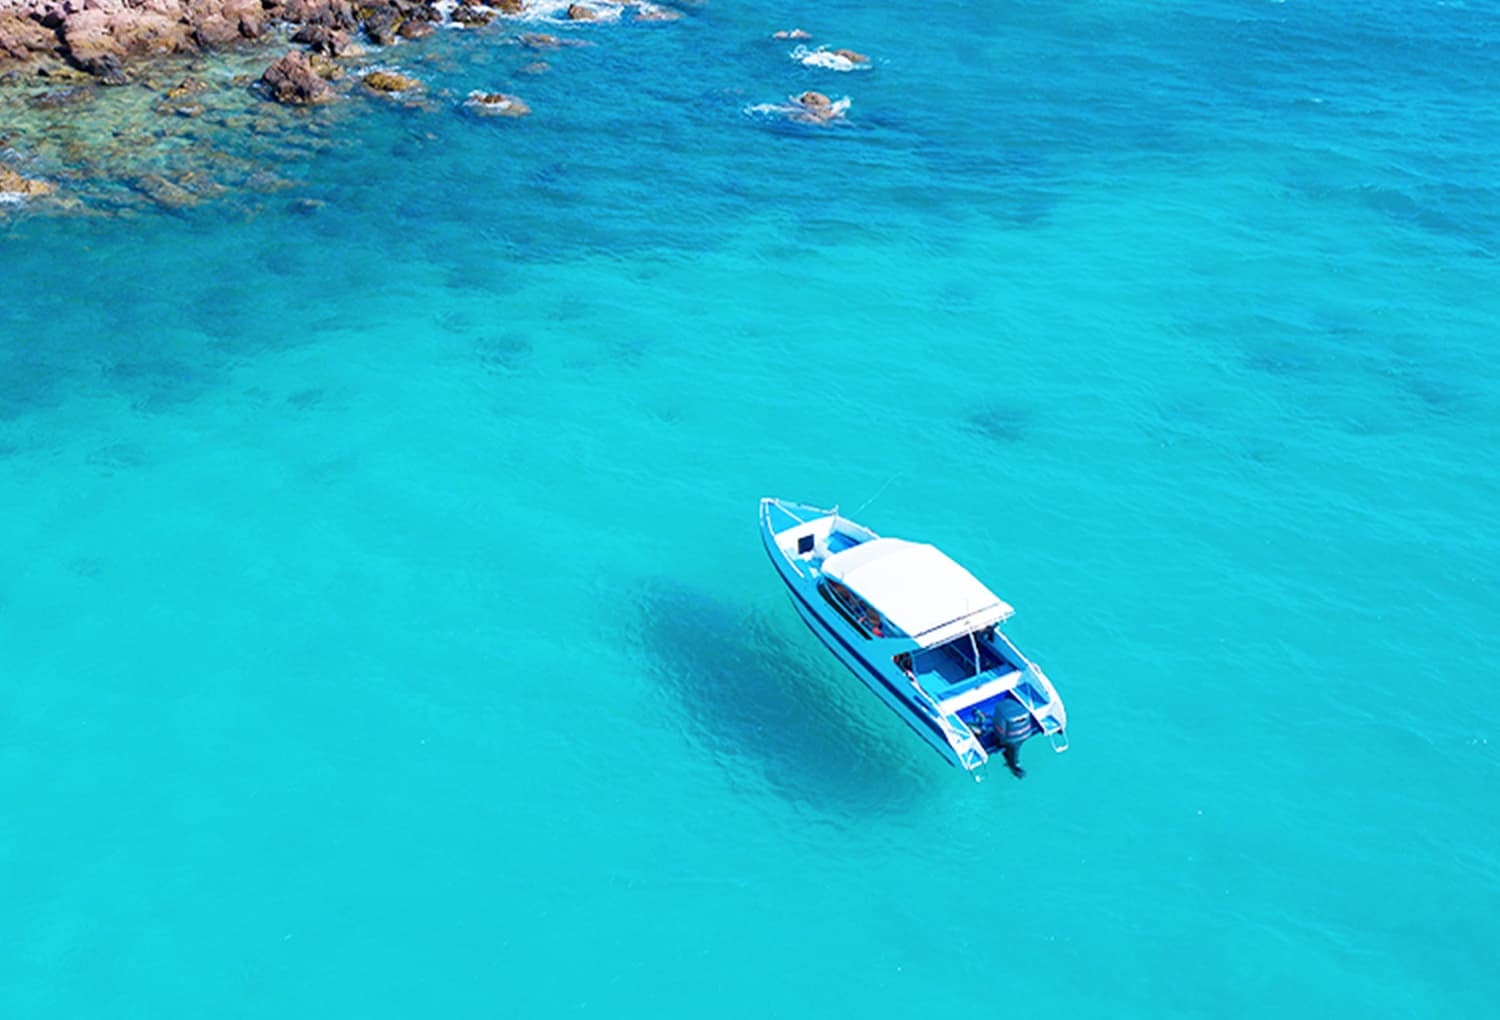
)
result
[(111, 106), (108, 106), (101, 38)]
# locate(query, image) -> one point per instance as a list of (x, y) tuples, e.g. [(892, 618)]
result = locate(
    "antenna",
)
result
[(878, 492)]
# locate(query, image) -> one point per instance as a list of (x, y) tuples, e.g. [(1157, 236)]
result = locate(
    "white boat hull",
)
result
[(799, 539)]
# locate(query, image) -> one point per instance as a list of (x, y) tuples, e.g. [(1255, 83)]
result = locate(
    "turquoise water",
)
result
[(384, 630)]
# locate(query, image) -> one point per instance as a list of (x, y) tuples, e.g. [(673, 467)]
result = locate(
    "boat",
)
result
[(919, 630)]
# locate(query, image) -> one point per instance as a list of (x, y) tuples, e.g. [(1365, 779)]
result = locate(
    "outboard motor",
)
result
[(1012, 724)]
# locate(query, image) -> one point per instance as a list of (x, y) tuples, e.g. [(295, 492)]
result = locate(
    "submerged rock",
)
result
[(186, 87), (293, 81), (61, 98), (546, 41), (326, 67), (64, 74), (165, 193), (650, 12), (390, 81)]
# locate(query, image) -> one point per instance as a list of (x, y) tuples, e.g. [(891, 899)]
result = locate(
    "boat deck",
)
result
[(948, 674)]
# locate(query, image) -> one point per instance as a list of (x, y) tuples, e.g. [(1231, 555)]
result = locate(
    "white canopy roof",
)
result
[(917, 588)]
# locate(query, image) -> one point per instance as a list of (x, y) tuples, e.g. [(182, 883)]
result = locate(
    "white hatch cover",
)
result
[(917, 588)]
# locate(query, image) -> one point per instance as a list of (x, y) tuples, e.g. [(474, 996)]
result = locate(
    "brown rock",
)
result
[(92, 47), (97, 36), (335, 42), (150, 32), (414, 29), (390, 81), (216, 30), (21, 37), (852, 57), (578, 12), (497, 104), (380, 24), (251, 14), (13, 183), (511, 7), (817, 108), (331, 13), (327, 69), (293, 81), (472, 15)]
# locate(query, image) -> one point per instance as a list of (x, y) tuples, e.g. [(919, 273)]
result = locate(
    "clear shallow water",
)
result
[(383, 626)]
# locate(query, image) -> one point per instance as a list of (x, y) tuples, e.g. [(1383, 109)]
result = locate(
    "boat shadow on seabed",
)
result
[(753, 698)]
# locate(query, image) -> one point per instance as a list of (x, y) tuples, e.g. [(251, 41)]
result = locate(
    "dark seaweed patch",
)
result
[(1001, 423), (305, 399), (27, 385), (157, 384), (118, 456), (507, 352)]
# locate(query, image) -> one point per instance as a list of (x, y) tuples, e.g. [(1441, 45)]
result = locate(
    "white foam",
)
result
[(476, 103), (556, 11), (825, 58), (793, 110)]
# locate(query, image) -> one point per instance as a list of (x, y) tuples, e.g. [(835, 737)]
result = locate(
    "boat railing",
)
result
[(1037, 682), (786, 508)]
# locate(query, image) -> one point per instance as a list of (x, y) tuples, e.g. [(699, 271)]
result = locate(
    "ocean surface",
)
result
[(385, 632)]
